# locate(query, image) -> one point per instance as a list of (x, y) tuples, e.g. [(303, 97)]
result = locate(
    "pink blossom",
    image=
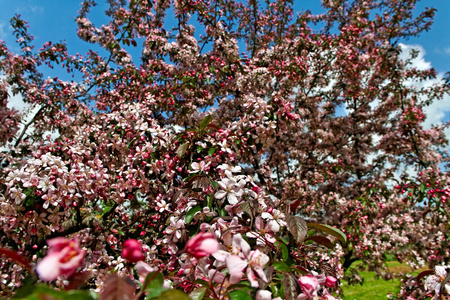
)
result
[(132, 251), (201, 245), (231, 189), (199, 167), (434, 282), (265, 232), (330, 281), (308, 284), (263, 295), (143, 270), (63, 258), (252, 262)]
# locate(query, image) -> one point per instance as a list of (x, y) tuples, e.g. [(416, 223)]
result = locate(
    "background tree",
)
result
[(262, 117)]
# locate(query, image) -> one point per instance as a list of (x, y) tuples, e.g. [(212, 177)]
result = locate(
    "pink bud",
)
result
[(201, 245), (63, 258), (330, 281), (132, 251), (308, 284)]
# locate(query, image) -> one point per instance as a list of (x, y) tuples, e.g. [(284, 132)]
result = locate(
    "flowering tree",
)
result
[(220, 158)]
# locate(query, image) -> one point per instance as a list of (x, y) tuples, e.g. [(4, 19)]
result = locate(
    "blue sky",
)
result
[(55, 20)]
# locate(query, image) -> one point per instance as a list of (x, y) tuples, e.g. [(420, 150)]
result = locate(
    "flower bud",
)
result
[(330, 281), (201, 245), (132, 251)]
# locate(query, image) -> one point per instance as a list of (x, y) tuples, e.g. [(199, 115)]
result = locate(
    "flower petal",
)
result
[(48, 268), (236, 266)]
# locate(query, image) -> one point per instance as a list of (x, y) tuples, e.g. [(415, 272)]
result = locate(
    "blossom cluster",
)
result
[(220, 158)]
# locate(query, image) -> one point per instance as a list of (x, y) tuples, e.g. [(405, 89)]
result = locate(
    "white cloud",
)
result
[(28, 112), (37, 9), (16, 102), (418, 62), (445, 50), (439, 109)]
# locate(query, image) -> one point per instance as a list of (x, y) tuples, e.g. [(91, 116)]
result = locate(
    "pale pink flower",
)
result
[(201, 245), (433, 282), (231, 189), (251, 262), (143, 270), (275, 219), (216, 276), (229, 169), (17, 195), (264, 233), (45, 184), (199, 167), (263, 295), (132, 251), (49, 198), (308, 284), (162, 205), (204, 213), (63, 258)]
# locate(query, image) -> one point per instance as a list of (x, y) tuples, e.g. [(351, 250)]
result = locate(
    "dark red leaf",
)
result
[(16, 257), (118, 288), (321, 240), (424, 273)]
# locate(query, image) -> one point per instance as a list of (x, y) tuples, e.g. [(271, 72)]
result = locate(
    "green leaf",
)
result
[(222, 212), (174, 295), (297, 227), (285, 239), (205, 122), (131, 142), (211, 151), (190, 214), (330, 230), (275, 291), (198, 294), (422, 188), (41, 291), (182, 149), (284, 251), (243, 285), (280, 266), (202, 282), (29, 201), (154, 285), (239, 295)]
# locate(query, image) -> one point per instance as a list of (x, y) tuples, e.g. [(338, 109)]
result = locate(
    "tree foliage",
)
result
[(301, 133)]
